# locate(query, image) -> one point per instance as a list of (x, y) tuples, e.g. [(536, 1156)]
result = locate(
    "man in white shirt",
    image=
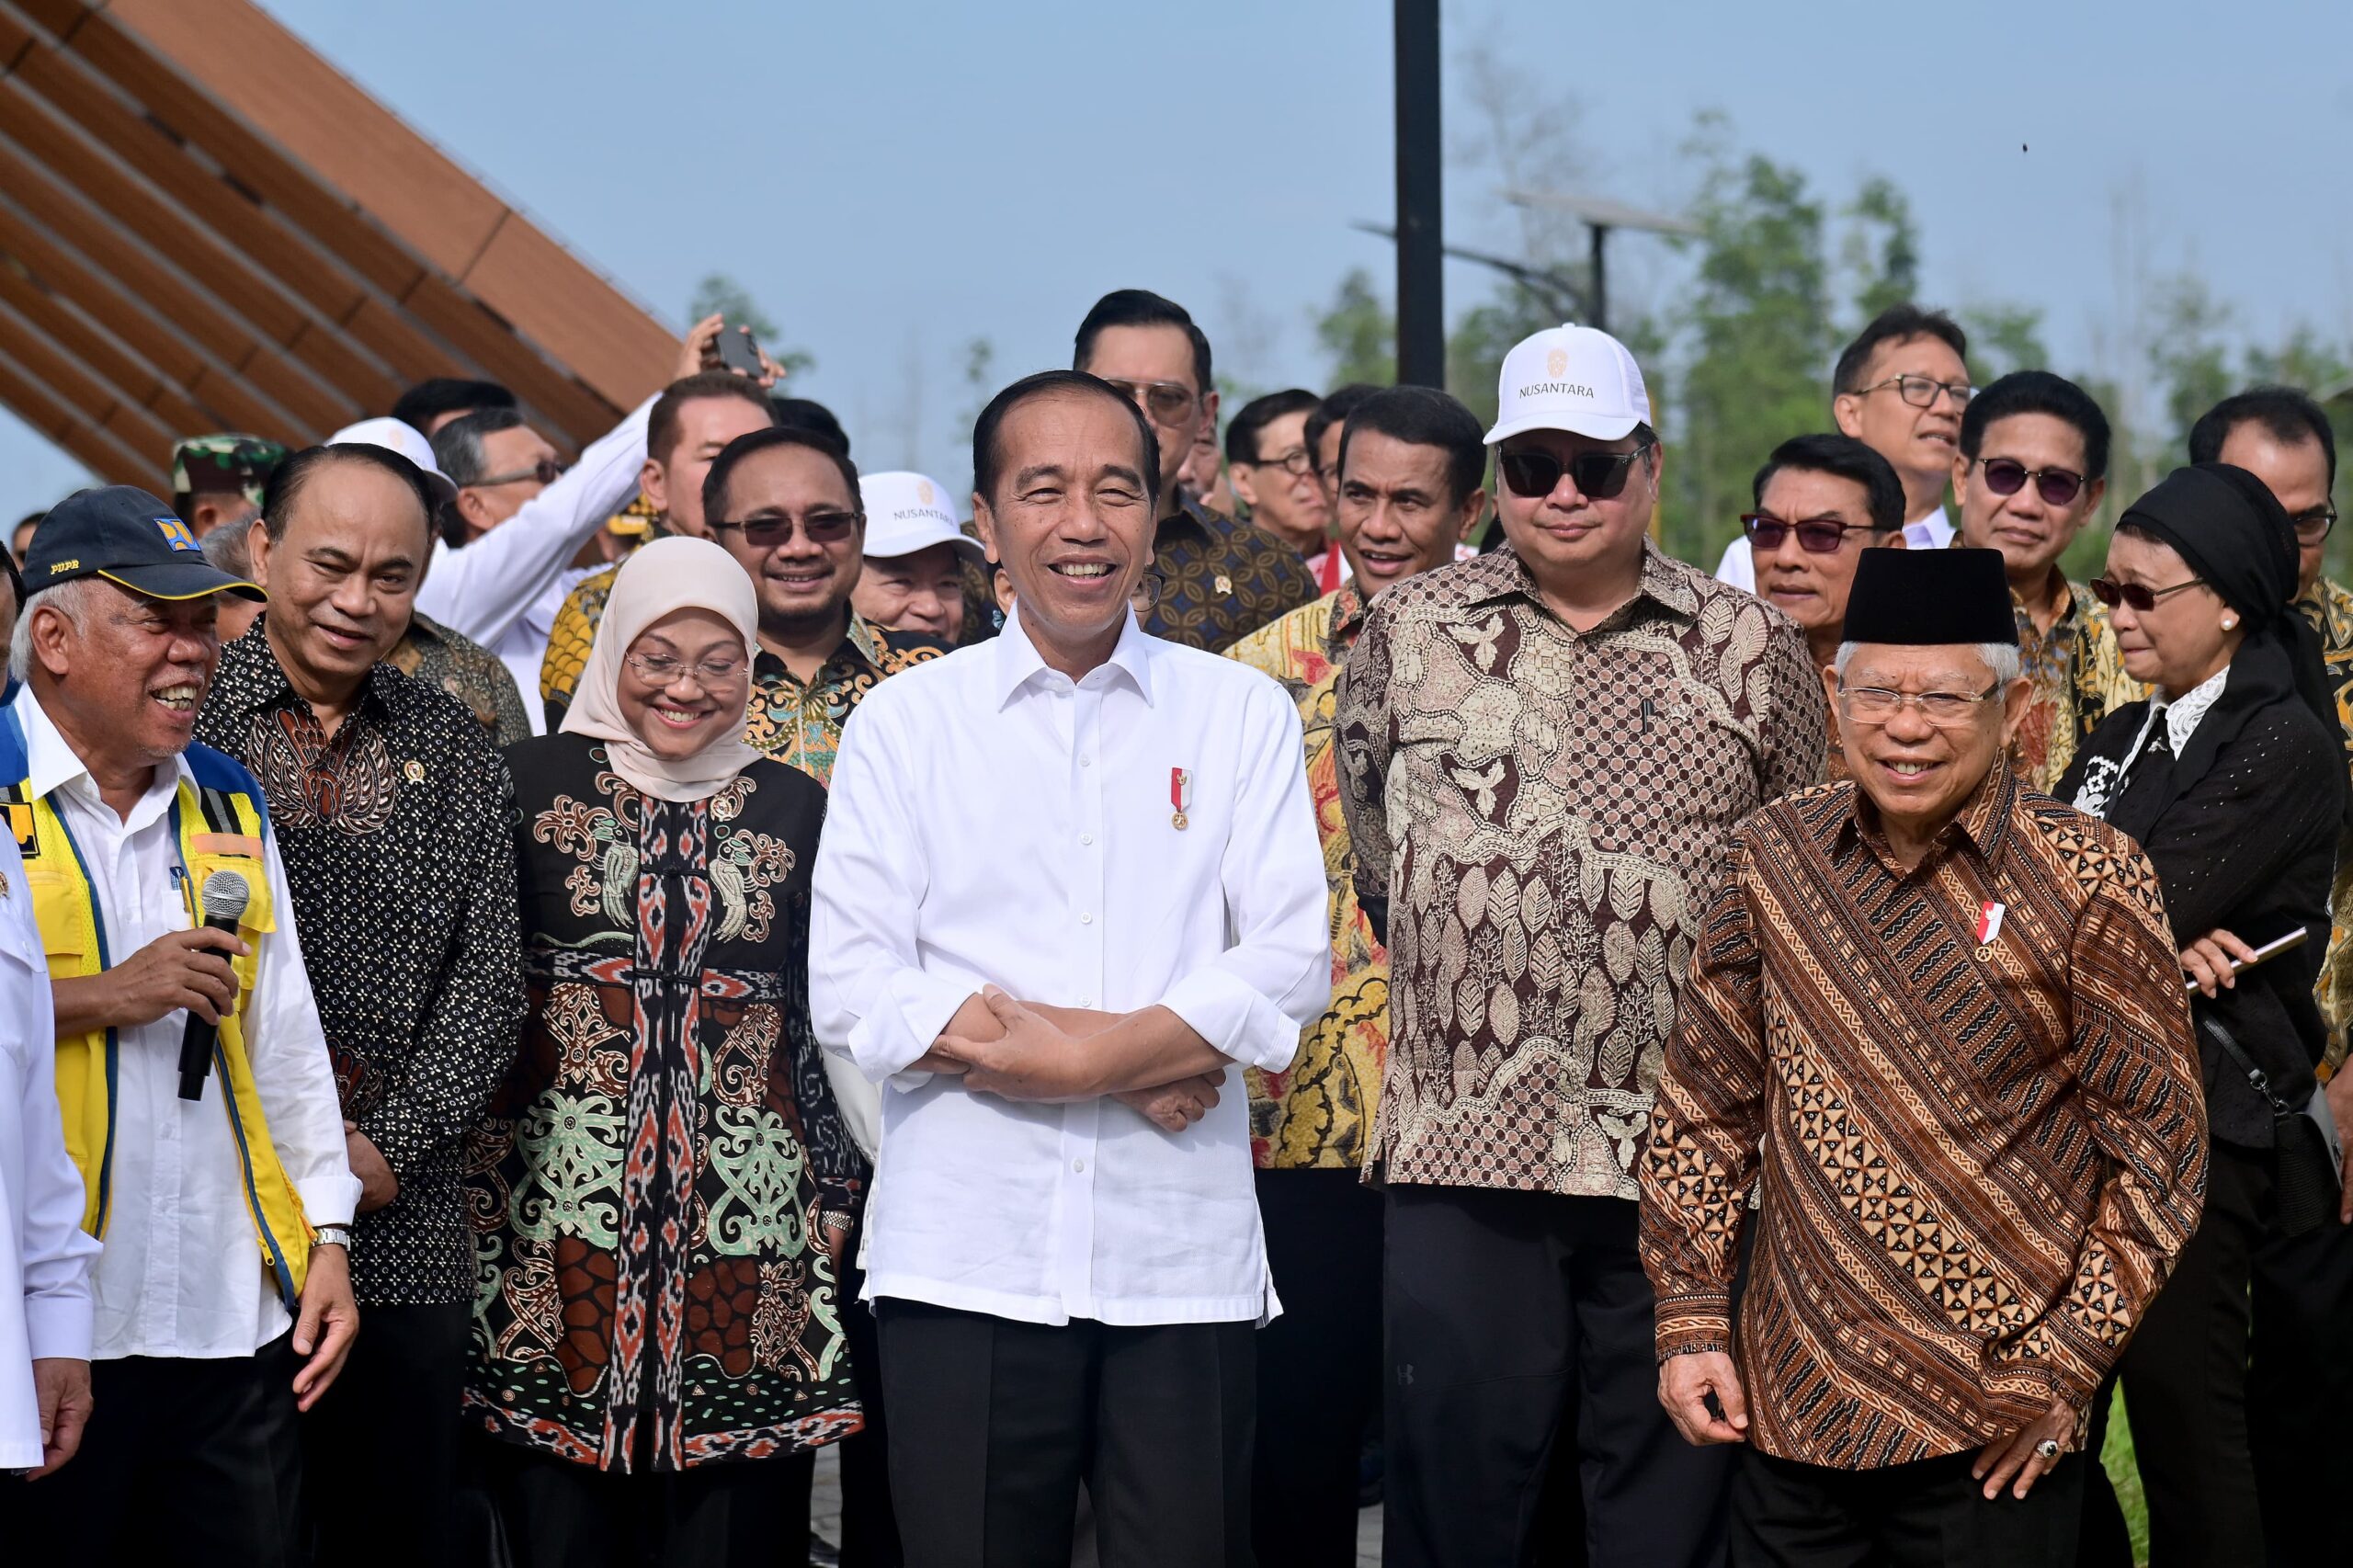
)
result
[(1899, 389), (1068, 878), (44, 1253), (221, 1190)]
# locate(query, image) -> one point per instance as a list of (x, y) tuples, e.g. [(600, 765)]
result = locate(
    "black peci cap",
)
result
[(1929, 599), (121, 533)]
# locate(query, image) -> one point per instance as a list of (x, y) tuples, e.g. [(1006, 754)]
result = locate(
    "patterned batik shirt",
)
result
[(660, 1178), (1968, 1100), (573, 633), (2329, 606), (2077, 673), (1541, 808), (477, 677), (1221, 580), (401, 863), (1315, 1115)]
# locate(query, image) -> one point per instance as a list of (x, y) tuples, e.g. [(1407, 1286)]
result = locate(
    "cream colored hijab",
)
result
[(662, 578)]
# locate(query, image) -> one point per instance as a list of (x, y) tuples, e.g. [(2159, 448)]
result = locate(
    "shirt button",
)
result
[(1085, 761), (1087, 1000), (1086, 920), (1079, 1165), (1086, 838)]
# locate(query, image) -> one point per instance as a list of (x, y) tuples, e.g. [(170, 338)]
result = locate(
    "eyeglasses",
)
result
[(1816, 536), (547, 471), (2007, 476), (1921, 392), (2139, 597), (2313, 527), (1299, 462), (822, 528), (1599, 476), (1167, 402), (662, 670), (1944, 709)]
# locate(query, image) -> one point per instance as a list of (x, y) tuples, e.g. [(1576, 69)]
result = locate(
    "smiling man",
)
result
[(1069, 878), (917, 557), (391, 809), (1935, 1028)]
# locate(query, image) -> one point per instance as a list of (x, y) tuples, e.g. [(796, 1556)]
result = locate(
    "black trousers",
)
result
[(1319, 1366), (994, 1425), (2185, 1378), (1929, 1515), (188, 1462), (1520, 1341), (869, 1530), (2300, 1391), (562, 1515), (391, 1418)]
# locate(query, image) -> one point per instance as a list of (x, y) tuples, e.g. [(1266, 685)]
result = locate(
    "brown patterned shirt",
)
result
[(1547, 806), (1979, 1151), (2077, 674), (1221, 580), (477, 677), (2329, 606)]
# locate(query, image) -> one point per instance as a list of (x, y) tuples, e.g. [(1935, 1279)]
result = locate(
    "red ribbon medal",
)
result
[(1181, 795)]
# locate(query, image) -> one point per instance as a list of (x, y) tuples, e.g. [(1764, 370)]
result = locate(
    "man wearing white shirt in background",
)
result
[(44, 1253), (1899, 389), (223, 1295), (1068, 878)]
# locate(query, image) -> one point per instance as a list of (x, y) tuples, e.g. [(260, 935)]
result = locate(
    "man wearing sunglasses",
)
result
[(1273, 473), (2031, 472), (1220, 580), (1544, 751)]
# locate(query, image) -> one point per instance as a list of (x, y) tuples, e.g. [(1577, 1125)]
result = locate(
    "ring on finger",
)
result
[(2047, 1449)]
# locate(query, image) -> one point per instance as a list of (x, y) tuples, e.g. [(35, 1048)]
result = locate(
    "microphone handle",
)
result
[(198, 1039)]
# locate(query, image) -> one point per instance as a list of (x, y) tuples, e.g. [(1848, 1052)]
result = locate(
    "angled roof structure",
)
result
[(205, 226)]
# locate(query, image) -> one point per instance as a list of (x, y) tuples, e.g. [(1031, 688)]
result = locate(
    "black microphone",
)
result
[(223, 899)]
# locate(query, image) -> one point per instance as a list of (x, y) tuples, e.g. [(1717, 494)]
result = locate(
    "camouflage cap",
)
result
[(228, 462)]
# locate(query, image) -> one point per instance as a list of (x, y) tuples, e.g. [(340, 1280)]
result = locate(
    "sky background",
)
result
[(891, 181)]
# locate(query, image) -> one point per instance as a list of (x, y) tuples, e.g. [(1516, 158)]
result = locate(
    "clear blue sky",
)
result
[(892, 180)]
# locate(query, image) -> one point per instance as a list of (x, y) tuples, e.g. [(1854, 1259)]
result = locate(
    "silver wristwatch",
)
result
[(331, 1236)]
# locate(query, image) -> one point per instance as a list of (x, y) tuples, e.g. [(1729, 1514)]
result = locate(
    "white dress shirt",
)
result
[(1932, 531), (991, 821), (485, 590), (44, 1253), (183, 1273)]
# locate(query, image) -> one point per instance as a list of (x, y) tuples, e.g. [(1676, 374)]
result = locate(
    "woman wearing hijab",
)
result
[(664, 1183), (2231, 779)]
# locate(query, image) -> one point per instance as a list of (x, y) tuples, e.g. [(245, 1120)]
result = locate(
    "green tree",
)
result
[(1882, 248), (1358, 331), (2002, 338), (720, 294)]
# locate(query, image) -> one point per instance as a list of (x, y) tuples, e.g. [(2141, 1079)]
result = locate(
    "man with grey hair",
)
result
[(1935, 1027)]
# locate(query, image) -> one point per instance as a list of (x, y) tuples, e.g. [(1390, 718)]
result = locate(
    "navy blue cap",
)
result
[(121, 533)]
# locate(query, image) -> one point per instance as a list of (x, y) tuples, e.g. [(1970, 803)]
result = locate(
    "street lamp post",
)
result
[(1421, 306)]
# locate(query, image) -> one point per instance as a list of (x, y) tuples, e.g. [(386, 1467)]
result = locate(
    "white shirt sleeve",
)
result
[(482, 590), (1738, 566), (291, 1069), (1274, 976), (868, 997), (57, 1250)]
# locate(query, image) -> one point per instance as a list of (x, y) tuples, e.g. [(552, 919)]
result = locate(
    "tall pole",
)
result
[(1421, 307), (1598, 294)]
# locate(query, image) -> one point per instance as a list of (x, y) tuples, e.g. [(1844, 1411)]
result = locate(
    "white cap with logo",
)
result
[(394, 436), (1578, 379), (905, 512)]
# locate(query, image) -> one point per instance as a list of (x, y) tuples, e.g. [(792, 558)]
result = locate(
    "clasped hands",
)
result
[(1030, 1051)]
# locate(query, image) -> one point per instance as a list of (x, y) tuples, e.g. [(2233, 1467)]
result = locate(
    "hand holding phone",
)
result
[(739, 351)]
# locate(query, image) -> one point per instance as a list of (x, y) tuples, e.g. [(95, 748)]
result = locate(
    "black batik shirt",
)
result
[(399, 854), (1221, 580)]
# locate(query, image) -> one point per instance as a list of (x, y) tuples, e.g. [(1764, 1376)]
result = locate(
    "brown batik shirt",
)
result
[(1540, 810), (1968, 1095)]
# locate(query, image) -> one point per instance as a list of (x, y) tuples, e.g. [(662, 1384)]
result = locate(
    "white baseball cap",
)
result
[(906, 512), (398, 435), (1578, 379)]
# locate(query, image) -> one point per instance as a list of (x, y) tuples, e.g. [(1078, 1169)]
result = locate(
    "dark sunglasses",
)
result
[(1816, 536), (823, 527), (1599, 476), (547, 471), (2007, 476), (2140, 596), (1167, 402)]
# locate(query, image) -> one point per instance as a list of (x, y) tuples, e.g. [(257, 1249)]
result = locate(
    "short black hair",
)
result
[(456, 446), (986, 457), (808, 413), (428, 400), (1424, 417), (1142, 307), (1897, 323), (723, 466), (661, 424), (291, 478), (1842, 456), (1242, 431), (1335, 410), (2038, 391), (2289, 414)]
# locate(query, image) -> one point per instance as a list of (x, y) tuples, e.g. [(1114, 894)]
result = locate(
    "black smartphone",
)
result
[(739, 351)]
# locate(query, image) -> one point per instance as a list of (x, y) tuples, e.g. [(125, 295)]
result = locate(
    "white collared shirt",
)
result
[(991, 821), (183, 1273), (1738, 567), (44, 1255)]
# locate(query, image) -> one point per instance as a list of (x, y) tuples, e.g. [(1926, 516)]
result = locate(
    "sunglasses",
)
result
[(2138, 597), (1599, 476), (547, 471), (2313, 527), (2007, 476), (1816, 536), (822, 528), (1167, 402)]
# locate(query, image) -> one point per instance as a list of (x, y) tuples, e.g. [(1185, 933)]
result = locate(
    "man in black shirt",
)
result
[(392, 812)]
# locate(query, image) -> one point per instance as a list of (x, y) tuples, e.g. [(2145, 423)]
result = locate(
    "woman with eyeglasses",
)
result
[(2230, 774), (663, 1187)]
